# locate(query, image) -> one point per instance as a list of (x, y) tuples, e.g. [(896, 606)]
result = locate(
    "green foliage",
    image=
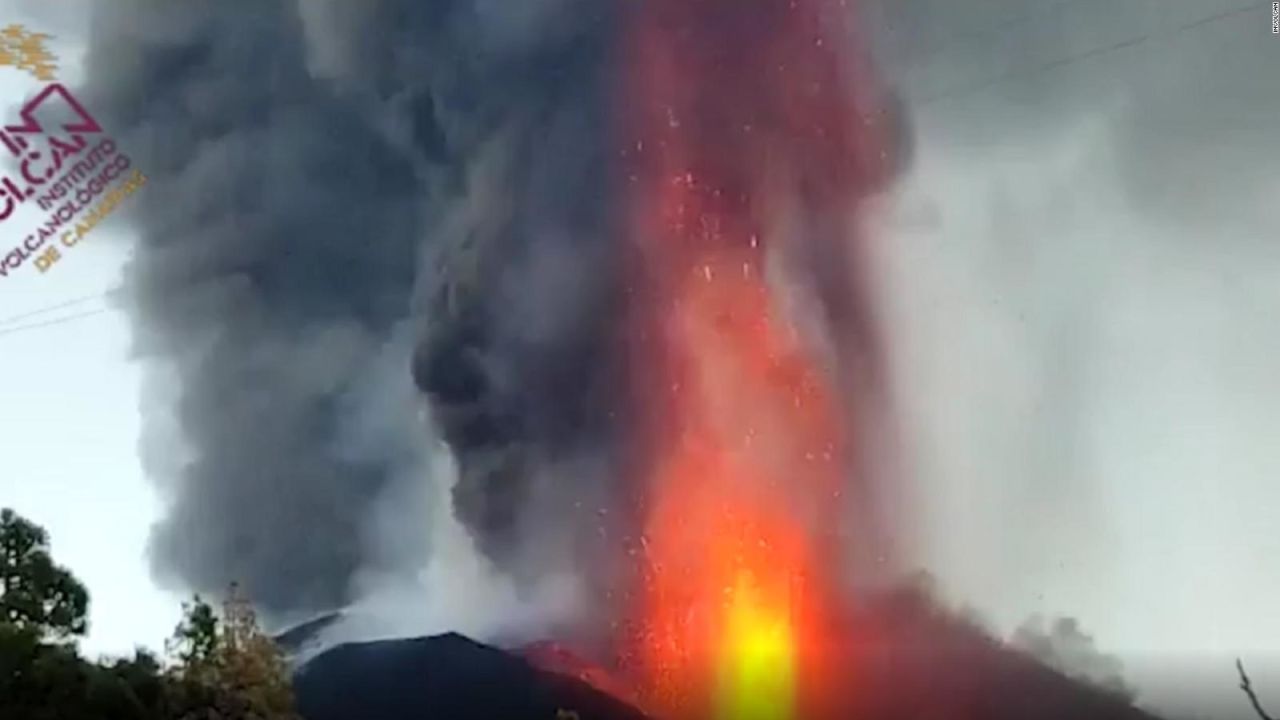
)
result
[(195, 641), (34, 592), (41, 681), (227, 665), (222, 667)]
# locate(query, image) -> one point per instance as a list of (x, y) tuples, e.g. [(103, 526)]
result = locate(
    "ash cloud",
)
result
[(371, 227), (329, 183)]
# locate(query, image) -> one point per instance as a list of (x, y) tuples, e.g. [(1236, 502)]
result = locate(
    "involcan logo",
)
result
[(63, 163)]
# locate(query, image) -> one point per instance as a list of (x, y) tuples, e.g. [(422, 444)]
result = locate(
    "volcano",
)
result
[(922, 665), (749, 137), (447, 676)]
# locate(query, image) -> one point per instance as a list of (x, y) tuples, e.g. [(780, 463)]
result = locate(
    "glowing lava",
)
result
[(748, 463), (740, 122), (758, 662)]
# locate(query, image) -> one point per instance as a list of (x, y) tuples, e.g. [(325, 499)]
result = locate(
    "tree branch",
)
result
[(1247, 687)]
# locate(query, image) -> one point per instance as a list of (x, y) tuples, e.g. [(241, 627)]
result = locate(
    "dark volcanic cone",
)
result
[(447, 676), (903, 659)]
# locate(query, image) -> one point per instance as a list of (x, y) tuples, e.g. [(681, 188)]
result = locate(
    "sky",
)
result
[(1089, 290), (71, 414), (1084, 288), (1082, 283)]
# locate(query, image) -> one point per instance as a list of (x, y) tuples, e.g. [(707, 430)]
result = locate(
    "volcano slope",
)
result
[(448, 677), (913, 662)]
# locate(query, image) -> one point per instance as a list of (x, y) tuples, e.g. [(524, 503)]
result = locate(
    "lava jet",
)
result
[(752, 134)]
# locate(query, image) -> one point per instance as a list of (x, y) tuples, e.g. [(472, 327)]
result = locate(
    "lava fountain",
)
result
[(751, 131)]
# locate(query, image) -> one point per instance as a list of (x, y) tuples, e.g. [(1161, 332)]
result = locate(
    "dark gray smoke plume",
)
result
[(352, 206), (328, 181)]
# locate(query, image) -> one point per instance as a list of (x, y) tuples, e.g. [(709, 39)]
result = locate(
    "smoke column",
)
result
[(354, 207)]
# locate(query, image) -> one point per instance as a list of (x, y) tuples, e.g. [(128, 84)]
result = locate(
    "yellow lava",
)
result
[(757, 678)]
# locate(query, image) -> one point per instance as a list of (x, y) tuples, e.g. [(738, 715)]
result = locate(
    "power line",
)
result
[(960, 39), (1096, 52), (56, 321), (49, 308)]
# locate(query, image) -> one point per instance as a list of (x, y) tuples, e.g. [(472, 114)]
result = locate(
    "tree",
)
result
[(35, 593), (44, 681), (254, 664), (226, 666), (195, 641), (1247, 687), (223, 668)]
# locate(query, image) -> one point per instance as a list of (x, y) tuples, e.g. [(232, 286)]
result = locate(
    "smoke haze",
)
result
[(1082, 280)]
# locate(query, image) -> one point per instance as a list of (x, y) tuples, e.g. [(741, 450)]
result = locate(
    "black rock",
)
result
[(448, 677)]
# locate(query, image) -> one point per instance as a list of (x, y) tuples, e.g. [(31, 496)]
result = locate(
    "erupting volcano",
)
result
[(553, 323), (752, 133)]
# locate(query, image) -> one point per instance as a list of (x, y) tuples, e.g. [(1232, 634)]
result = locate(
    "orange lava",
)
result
[(735, 109), (746, 470)]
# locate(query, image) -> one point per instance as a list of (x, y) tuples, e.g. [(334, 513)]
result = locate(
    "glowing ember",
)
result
[(736, 111), (757, 667)]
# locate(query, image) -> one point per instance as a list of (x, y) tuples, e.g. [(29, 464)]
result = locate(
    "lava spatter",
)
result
[(734, 114)]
